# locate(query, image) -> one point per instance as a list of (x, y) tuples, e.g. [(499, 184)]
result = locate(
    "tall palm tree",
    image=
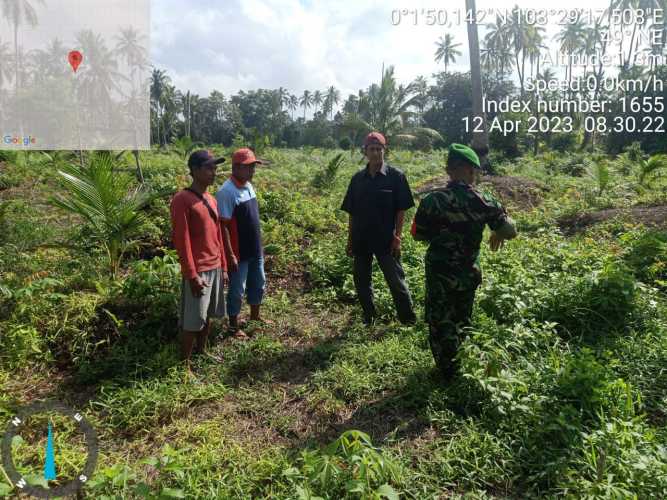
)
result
[(283, 97), (571, 39), (18, 12), (171, 107), (534, 46), (421, 90), (318, 99), (5, 72), (519, 35), (306, 102), (132, 50), (100, 77), (159, 82), (332, 98), (186, 104), (446, 50), (480, 140), (292, 104), (130, 47), (497, 46)]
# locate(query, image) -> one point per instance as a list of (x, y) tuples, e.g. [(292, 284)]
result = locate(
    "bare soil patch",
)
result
[(518, 192), (655, 216)]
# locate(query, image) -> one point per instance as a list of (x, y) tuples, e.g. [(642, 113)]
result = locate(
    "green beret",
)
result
[(464, 153)]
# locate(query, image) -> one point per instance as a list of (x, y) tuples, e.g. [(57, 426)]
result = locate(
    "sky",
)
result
[(234, 45)]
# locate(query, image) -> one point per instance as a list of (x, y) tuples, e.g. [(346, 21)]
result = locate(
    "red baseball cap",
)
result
[(245, 156), (375, 137)]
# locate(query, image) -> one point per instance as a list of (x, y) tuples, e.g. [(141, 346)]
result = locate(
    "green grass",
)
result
[(563, 389)]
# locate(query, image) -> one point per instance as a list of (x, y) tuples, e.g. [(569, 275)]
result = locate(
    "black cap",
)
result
[(203, 157)]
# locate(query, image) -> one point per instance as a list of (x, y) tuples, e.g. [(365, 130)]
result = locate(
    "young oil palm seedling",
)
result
[(651, 169), (107, 201)]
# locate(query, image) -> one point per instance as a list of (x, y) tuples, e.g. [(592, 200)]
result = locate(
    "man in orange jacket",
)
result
[(197, 236)]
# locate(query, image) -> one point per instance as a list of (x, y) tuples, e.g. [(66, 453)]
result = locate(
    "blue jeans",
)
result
[(250, 279)]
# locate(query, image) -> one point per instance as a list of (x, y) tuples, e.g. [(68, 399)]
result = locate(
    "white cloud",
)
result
[(247, 44)]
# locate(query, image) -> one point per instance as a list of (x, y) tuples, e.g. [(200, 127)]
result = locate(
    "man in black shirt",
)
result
[(376, 201)]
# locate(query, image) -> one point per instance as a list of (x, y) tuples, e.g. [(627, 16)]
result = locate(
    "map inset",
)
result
[(74, 74)]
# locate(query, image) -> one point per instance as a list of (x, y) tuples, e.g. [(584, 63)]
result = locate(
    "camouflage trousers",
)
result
[(447, 312)]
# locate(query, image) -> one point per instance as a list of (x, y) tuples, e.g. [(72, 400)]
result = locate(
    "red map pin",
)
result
[(75, 57)]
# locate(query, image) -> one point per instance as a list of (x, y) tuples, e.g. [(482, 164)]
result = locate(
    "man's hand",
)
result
[(197, 286), (396, 247), (225, 278), (495, 242), (233, 263), (348, 249)]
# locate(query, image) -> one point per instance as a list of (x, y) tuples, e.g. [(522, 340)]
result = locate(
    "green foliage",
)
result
[(107, 202), (183, 146), (325, 178), (601, 175), (345, 143), (563, 142), (634, 152), (562, 384), (646, 254), (154, 283), (119, 480), (651, 169), (350, 467), (146, 403)]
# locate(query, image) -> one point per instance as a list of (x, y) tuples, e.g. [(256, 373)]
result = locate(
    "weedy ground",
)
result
[(563, 389)]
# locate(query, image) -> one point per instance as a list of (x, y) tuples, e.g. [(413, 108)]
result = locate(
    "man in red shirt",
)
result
[(200, 245)]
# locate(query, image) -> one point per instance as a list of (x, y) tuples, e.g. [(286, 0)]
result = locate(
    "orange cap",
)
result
[(375, 137), (245, 156)]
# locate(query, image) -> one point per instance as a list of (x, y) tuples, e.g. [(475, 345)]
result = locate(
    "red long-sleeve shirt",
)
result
[(197, 238)]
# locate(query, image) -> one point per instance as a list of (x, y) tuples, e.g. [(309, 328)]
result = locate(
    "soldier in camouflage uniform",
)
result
[(452, 221)]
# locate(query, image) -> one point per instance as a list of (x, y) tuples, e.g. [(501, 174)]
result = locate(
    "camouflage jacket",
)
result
[(452, 221)]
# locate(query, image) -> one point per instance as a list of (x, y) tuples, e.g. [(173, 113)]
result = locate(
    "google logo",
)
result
[(26, 141)]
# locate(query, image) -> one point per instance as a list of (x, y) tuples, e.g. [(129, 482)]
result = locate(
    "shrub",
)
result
[(350, 467)]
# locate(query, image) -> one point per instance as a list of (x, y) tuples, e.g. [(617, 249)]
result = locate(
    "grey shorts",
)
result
[(195, 311)]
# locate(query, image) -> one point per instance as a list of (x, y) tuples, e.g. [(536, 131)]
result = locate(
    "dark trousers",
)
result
[(448, 313), (395, 278)]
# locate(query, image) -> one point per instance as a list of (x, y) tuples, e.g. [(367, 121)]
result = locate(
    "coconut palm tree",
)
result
[(519, 33), (318, 100), (159, 81), (282, 95), (480, 140), (388, 108), (421, 91), (534, 46), (571, 39), (5, 74), (131, 48), (19, 12), (306, 102), (292, 104), (497, 46), (446, 50), (99, 78), (646, 6), (332, 98), (5, 71)]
